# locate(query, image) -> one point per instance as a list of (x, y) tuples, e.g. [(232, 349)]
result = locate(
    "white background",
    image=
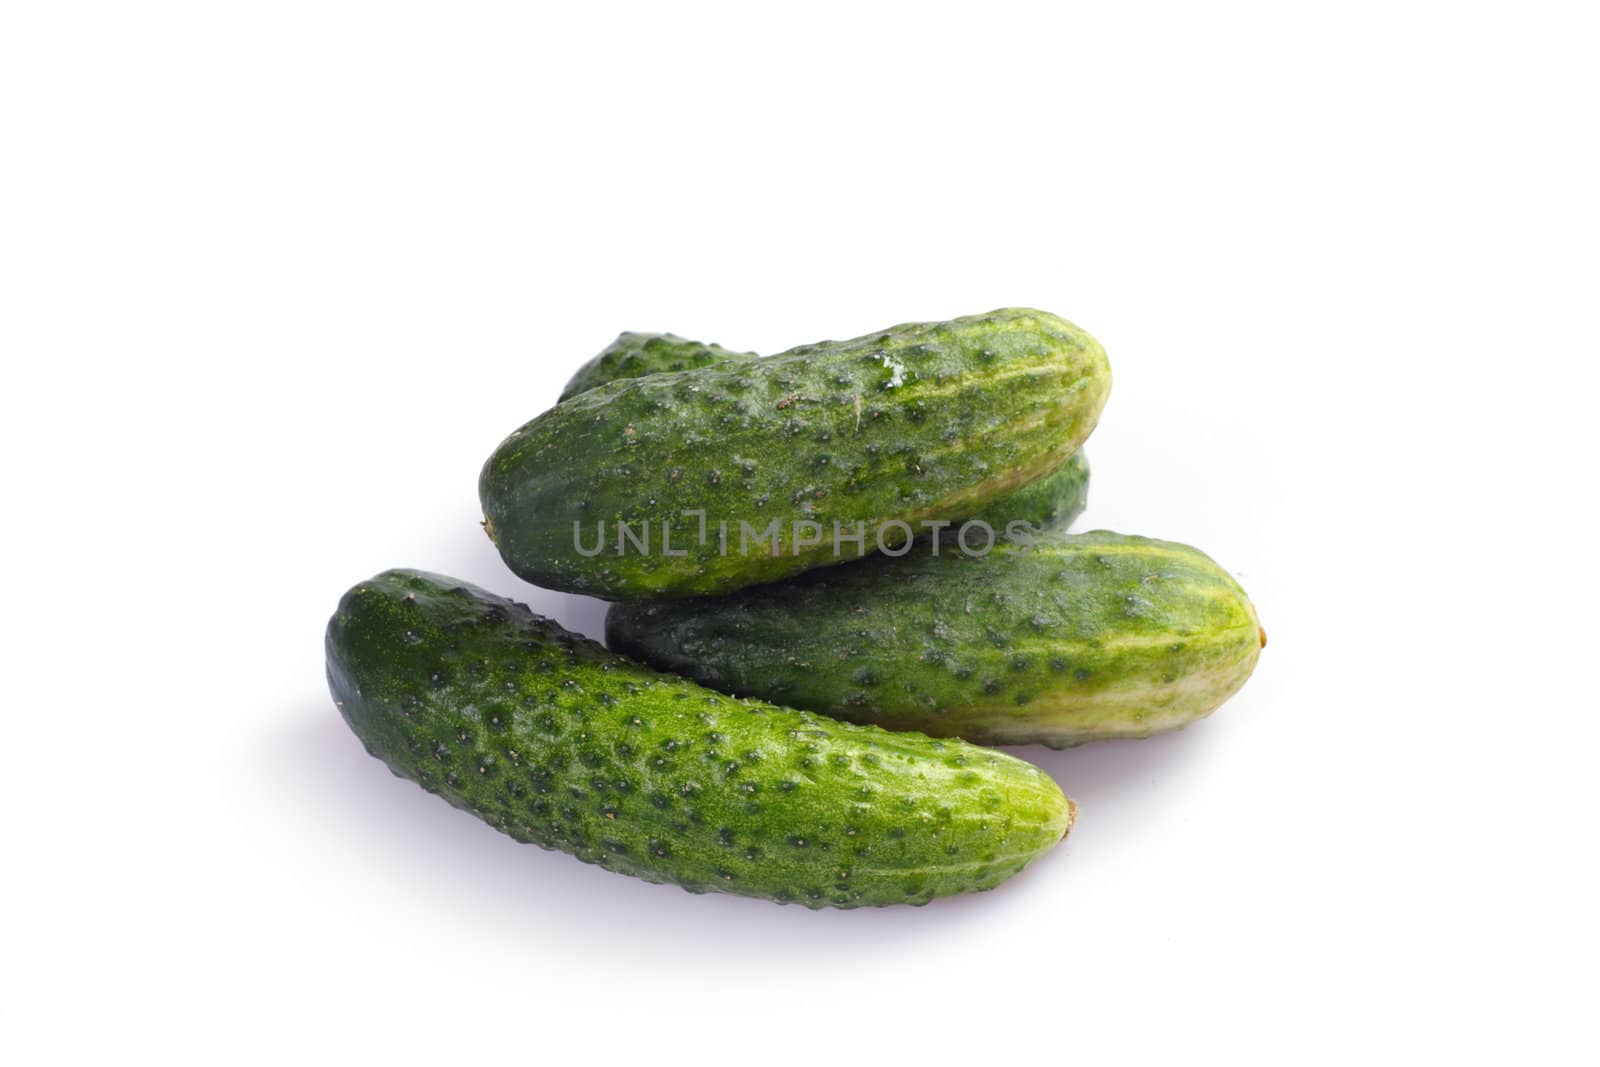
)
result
[(275, 279)]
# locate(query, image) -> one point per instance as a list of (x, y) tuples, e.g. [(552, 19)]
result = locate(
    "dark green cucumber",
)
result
[(550, 738), (1051, 503), (633, 355), (1066, 640), (924, 422)]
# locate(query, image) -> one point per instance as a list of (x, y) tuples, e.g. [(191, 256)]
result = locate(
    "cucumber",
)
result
[(1071, 638), (550, 738), (1051, 503), (633, 355), (923, 422)]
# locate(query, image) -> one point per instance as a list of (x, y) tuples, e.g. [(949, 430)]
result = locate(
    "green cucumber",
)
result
[(1067, 639), (633, 355), (550, 738), (1050, 503), (918, 423)]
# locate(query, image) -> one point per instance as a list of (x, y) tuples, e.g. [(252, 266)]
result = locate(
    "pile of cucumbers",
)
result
[(836, 573)]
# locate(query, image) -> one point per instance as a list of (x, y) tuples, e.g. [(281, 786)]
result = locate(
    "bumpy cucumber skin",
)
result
[(1075, 638), (1051, 503), (634, 355), (926, 421), (548, 737)]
